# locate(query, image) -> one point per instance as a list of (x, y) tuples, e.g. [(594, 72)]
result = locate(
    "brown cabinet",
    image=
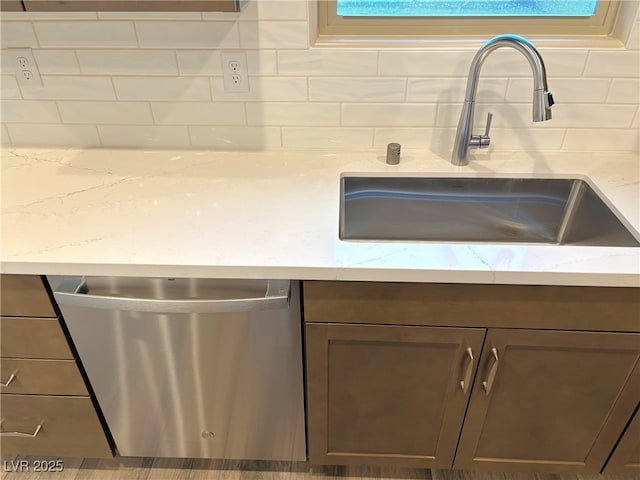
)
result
[(384, 360), (625, 459), (46, 408), (124, 5), (385, 395), (11, 6), (550, 400)]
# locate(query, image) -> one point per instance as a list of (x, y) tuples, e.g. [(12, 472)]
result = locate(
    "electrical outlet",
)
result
[(26, 68), (234, 72)]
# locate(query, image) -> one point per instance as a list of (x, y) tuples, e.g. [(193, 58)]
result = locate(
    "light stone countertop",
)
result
[(274, 214)]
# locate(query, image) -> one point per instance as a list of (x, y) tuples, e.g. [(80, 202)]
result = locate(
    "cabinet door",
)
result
[(550, 401), (134, 5), (388, 395), (626, 456)]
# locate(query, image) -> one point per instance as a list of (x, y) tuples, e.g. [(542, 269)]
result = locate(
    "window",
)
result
[(352, 20), (444, 8)]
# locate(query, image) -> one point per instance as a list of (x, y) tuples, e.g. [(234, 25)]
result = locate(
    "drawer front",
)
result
[(69, 427), (41, 377), (33, 338), (24, 296)]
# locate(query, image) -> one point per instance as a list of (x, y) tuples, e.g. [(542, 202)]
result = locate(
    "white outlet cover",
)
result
[(25, 67), (235, 72)]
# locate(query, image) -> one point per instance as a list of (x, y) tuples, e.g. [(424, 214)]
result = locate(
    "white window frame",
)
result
[(608, 28)]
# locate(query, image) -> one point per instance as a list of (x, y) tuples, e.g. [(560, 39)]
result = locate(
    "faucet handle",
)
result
[(482, 140), (488, 126)]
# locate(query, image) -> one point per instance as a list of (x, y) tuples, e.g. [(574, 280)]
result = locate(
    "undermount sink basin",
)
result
[(495, 210)]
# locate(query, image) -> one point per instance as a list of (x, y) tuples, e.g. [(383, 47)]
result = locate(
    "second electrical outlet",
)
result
[(234, 71)]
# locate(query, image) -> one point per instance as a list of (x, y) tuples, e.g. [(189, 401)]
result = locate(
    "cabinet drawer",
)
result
[(69, 427), (33, 338), (24, 296), (42, 377), (466, 305)]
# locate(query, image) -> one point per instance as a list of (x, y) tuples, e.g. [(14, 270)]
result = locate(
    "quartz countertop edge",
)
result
[(274, 214)]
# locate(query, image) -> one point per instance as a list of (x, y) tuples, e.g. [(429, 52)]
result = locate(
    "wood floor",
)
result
[(195, 469)]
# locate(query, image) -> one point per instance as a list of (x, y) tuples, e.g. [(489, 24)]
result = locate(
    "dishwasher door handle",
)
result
[(276, 297)]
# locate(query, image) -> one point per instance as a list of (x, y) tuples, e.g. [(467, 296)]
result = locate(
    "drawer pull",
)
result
[(488, 383), (22, 434), (9, 380), (464, 383)]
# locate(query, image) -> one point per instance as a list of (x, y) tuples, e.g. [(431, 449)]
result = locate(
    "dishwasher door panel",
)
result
[(201, 385)]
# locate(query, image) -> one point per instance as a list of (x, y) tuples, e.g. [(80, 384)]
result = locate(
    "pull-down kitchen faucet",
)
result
[(542, 98)]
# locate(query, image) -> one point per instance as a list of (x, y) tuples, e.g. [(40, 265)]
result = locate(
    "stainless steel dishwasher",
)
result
[(196, 368)]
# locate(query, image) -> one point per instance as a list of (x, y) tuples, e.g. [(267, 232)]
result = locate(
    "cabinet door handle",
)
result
[(22, 434), (464, 383), (9, 380), (488, 383)]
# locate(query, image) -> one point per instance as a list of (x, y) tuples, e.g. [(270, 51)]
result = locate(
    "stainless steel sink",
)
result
[(529, 210)]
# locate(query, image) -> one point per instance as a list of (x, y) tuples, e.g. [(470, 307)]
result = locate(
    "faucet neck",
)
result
[(542, 99), (516, 42)]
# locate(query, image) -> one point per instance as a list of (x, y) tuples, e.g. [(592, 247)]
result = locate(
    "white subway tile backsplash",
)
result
[(6, 61), (176, 34), (411, 137), (602, 139), (633, 42), (448, 90), (292, 114), (624, 90), (208, 62), (274, 34), (149, 15), (17, 34), (328, 62), (5, 139), (565, 90), (198, 113), (136, 113), (9, 87), (327, 137), (85, 34), (154, 80), (533, 139), (29, 111), (264, 89), (591, 116), (347, 89), (128, 62), (71, 87), (511, 63), (54, 135), (148, 136), (388, 114), (425, 63), (564, 63), (613, 64), (441, 139), (564, 116), (174, 89), (436, 89), (52, 62), (235, 138)]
